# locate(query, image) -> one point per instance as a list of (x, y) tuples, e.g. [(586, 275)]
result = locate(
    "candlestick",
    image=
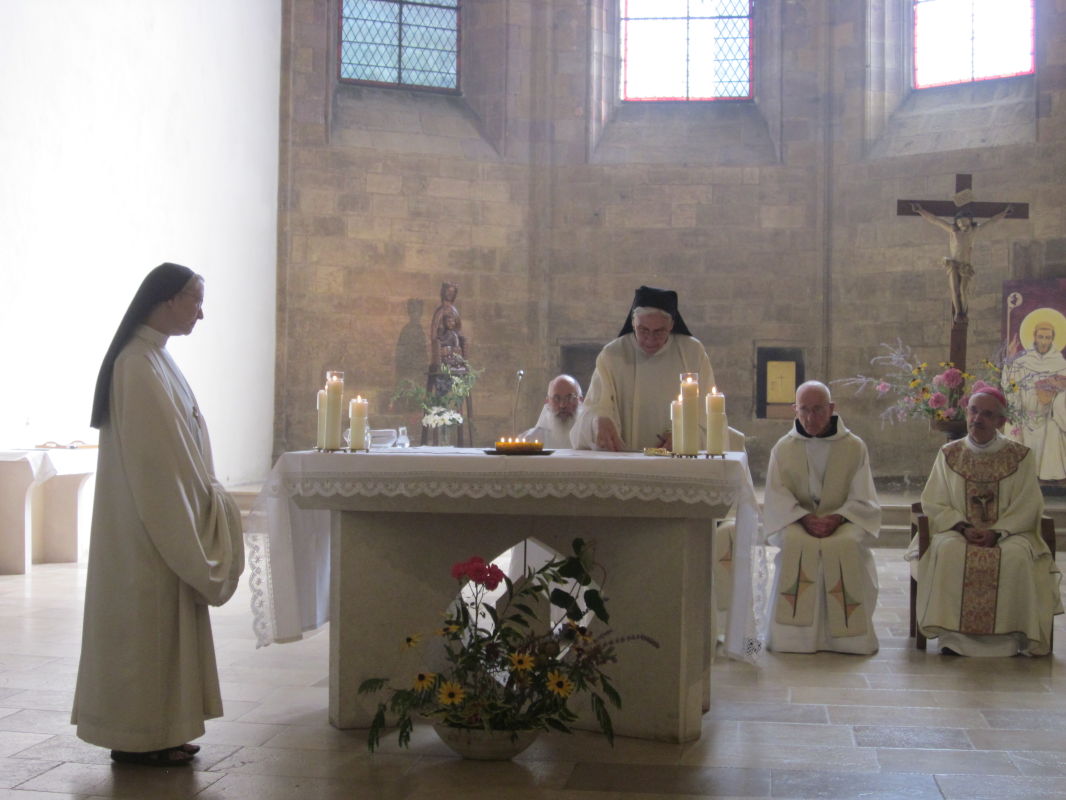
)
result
[(320, 442), (358, 413), (334, 398), (690, 415), (717, 426)]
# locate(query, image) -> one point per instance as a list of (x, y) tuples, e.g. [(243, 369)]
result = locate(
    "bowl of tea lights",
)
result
[(518, 447)]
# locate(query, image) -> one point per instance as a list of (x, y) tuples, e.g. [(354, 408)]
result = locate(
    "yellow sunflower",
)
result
[(423, 681), (450, 693), (412, 640), (560, 684), (448, 629), (521, 662)]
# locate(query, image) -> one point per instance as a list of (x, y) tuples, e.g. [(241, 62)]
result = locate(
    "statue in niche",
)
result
[(449, 351), (448, 292), (449, 378)]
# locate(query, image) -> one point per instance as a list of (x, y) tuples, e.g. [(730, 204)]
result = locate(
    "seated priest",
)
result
[(987, 585), (637, 376), (557, 417), (821, 509)]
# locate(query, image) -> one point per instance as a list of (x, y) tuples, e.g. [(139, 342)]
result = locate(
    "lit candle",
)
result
[(334, 399), (675, 422), (690, 415), (358, 412), (320, 442), (717, 427)]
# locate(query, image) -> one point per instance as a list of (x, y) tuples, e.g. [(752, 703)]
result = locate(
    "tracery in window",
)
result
[(960, 41), (400, 42), (686, 49)]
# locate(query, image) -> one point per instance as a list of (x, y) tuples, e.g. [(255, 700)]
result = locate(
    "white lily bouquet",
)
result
[(439, 417)]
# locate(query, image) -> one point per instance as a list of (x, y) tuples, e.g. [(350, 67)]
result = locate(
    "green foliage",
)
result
[(411, 395), (506, 668)]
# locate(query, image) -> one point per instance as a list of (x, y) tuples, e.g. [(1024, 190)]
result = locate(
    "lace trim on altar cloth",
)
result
[(748, 643), (413, 485), (258, 545)]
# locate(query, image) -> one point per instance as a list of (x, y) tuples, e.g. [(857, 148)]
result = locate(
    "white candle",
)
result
[(690, 415), (320, 442), (717, 427), (358, 413), (675, 422), (334, 399), (715, 401)]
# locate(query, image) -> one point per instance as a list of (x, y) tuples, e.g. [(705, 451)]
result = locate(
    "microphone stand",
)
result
[(514, 407)]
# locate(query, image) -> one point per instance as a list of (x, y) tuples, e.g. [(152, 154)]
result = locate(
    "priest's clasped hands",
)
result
[(821, 527), (981, 537)]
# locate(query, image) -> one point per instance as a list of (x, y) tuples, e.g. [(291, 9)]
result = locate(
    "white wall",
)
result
[(134, 132)]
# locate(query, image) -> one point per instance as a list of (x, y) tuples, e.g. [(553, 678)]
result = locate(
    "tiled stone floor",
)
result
[(901, 724)]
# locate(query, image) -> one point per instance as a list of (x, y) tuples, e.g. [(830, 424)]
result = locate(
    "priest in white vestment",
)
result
[(557, 417), (1040, 377), (637, 376), (821, 509), (166, 542), (987, 585)]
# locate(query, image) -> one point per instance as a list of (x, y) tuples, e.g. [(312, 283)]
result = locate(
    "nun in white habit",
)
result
[(166, 542)]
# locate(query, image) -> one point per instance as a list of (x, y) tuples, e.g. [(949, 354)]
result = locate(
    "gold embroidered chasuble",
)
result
[(986, 594), (982, 475)]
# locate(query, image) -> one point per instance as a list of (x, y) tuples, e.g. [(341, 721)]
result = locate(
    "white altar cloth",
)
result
[(289, 546)]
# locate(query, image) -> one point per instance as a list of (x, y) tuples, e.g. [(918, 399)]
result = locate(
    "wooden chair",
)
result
[(920, 528)]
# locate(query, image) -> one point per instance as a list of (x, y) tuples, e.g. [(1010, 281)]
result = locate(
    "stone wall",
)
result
[(548, 203)]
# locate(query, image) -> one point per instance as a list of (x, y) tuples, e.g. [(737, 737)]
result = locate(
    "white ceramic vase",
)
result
[(483, 745)]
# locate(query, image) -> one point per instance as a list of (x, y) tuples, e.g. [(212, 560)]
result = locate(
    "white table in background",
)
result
[(45, 506)]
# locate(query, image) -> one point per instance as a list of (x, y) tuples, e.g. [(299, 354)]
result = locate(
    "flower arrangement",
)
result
[(508, 670), (439, 401), (438, 417), (917, 391)]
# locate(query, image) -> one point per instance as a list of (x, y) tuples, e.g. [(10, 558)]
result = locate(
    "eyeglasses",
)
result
[(566, 398)]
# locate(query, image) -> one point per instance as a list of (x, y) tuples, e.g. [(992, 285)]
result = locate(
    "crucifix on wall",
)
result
[(962, 230)]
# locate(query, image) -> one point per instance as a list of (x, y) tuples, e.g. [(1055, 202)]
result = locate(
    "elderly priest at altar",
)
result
[(987, 585), (821, 509)]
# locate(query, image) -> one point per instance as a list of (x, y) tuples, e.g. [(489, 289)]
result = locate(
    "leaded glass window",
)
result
[(686, 49), (960, 41), (400, 42)]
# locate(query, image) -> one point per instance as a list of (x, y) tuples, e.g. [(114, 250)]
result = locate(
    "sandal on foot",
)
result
[(168, 757)]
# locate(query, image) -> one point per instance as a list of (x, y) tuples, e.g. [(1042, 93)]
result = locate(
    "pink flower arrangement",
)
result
[(916, 392), (951, 378)]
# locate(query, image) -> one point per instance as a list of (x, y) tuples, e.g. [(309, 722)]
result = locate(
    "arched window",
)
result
[(686, 49), (960, 41), (400, 43)]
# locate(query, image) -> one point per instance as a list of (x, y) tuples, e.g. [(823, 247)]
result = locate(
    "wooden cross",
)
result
[(961, 202)]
